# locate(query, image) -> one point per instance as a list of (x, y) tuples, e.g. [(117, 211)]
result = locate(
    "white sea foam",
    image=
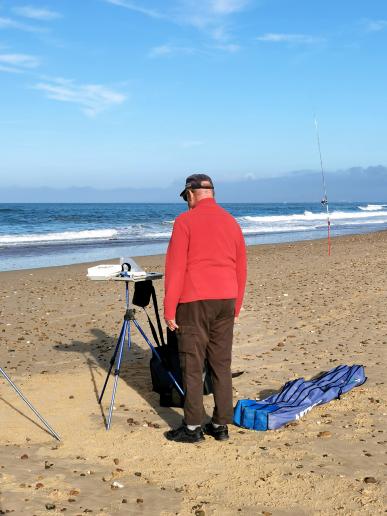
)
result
[(372, 207), (308, 216), (159, 231), (157, 235), (274, 229), (309, 221), (92, 234)]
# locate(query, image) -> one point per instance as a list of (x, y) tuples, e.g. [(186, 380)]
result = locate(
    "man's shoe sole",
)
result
[(217, 437), (184, 439)]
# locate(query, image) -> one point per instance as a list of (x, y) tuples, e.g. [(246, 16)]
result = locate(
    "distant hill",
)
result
[(354, 184)]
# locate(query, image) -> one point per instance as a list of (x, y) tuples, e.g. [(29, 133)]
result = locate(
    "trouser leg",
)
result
[(219, 353), (192, 340)]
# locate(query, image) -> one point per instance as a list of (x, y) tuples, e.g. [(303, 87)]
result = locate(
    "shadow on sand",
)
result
[(24, 415), (265, 393), (134, 371)]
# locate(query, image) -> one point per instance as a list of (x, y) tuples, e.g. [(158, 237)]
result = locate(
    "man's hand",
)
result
[(171, 323)]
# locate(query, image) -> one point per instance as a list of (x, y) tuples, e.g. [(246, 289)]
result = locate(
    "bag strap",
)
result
[(159, 339), (156, 309), (153, 329)]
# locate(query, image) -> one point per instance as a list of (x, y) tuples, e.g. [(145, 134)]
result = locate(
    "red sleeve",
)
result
[(175, 267), (241, 270)]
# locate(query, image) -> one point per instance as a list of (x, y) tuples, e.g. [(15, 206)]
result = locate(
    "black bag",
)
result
[(168, 352), (161, 381)]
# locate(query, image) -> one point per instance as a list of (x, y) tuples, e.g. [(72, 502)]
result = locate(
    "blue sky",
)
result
[(111, 92)]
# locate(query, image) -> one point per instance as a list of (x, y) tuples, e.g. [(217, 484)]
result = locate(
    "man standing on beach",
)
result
[(205, 276)]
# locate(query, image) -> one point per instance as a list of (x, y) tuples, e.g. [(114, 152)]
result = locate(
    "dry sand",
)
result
[(303, 313)]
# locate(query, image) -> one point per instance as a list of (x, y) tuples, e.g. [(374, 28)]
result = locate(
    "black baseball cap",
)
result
[(194, 182)]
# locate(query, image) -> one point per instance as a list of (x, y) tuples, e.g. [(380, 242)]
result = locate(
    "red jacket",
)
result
[(206, 258)]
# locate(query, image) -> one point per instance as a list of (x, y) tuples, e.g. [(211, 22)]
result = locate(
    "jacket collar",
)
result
[(206, 202)]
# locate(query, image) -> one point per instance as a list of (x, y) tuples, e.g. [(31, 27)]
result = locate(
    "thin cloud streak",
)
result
[(376, 25), (228, 6), (35, 13), (273, 37), (9, 69), (232, 48), (132, 6), (17, 63), (168, 50), (208, 16), (9, 23), (92, 98)]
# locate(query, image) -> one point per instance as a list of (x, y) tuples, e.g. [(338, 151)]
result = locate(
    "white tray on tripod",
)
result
[(134, 279)]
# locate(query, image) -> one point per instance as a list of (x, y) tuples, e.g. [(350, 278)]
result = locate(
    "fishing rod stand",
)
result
[(125, 337), (18, 391)]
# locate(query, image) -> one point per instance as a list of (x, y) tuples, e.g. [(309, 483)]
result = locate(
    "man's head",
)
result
[(197, 187)]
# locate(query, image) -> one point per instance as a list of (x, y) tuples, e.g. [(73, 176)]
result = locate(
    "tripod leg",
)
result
[(112, 361), (117, 372), (129, 338), (52, 432), (158, 357)]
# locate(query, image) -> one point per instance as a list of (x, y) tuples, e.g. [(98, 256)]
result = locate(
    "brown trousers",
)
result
[(206, 331)]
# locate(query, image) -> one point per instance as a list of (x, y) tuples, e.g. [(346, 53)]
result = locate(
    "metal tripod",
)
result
[(51, 431), (116, 358)]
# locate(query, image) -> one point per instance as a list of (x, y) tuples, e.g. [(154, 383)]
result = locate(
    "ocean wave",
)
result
[(309, 216), (372, 207), (94, 234), (149, 231), (275, 229), (157, 235)]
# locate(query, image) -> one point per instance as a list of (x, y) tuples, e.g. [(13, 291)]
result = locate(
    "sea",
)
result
[(42, 235)]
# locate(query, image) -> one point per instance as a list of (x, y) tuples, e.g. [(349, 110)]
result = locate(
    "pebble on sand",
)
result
[(325, 434)]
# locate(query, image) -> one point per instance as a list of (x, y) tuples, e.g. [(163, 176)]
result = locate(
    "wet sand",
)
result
[(304, 313)]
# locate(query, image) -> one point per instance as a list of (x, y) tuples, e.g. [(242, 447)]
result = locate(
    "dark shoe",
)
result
[(185, 435), (220, 433)]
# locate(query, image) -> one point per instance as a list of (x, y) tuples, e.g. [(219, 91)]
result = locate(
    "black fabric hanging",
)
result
[(144, 291)]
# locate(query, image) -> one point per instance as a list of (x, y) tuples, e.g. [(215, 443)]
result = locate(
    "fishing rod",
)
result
[(324, 200)]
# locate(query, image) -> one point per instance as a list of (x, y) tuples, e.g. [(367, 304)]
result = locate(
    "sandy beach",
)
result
[(304, 313)]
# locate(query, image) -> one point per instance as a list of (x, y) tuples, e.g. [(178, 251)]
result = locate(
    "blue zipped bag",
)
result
[(297, 398)]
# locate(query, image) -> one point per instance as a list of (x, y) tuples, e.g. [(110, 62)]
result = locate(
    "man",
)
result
[(205, 276)]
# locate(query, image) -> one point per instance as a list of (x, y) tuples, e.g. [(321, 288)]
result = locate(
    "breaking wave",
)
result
[(372, 207), (92, 234)]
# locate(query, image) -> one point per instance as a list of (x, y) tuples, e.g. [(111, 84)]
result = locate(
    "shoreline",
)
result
[(35, 236), (304, 313), (87, 264)]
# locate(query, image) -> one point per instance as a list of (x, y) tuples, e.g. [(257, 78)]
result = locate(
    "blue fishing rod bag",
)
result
[(296, 398)]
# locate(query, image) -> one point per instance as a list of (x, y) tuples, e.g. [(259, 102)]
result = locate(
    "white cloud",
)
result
[(273, 37), (92, 98), (9, 23), (196, 11), (133, 6), (169, 50), (228, 47), (17, 63), (376, 25), (35, 13), (209, 16), (23, 60), (9, 69), (228, 6)]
